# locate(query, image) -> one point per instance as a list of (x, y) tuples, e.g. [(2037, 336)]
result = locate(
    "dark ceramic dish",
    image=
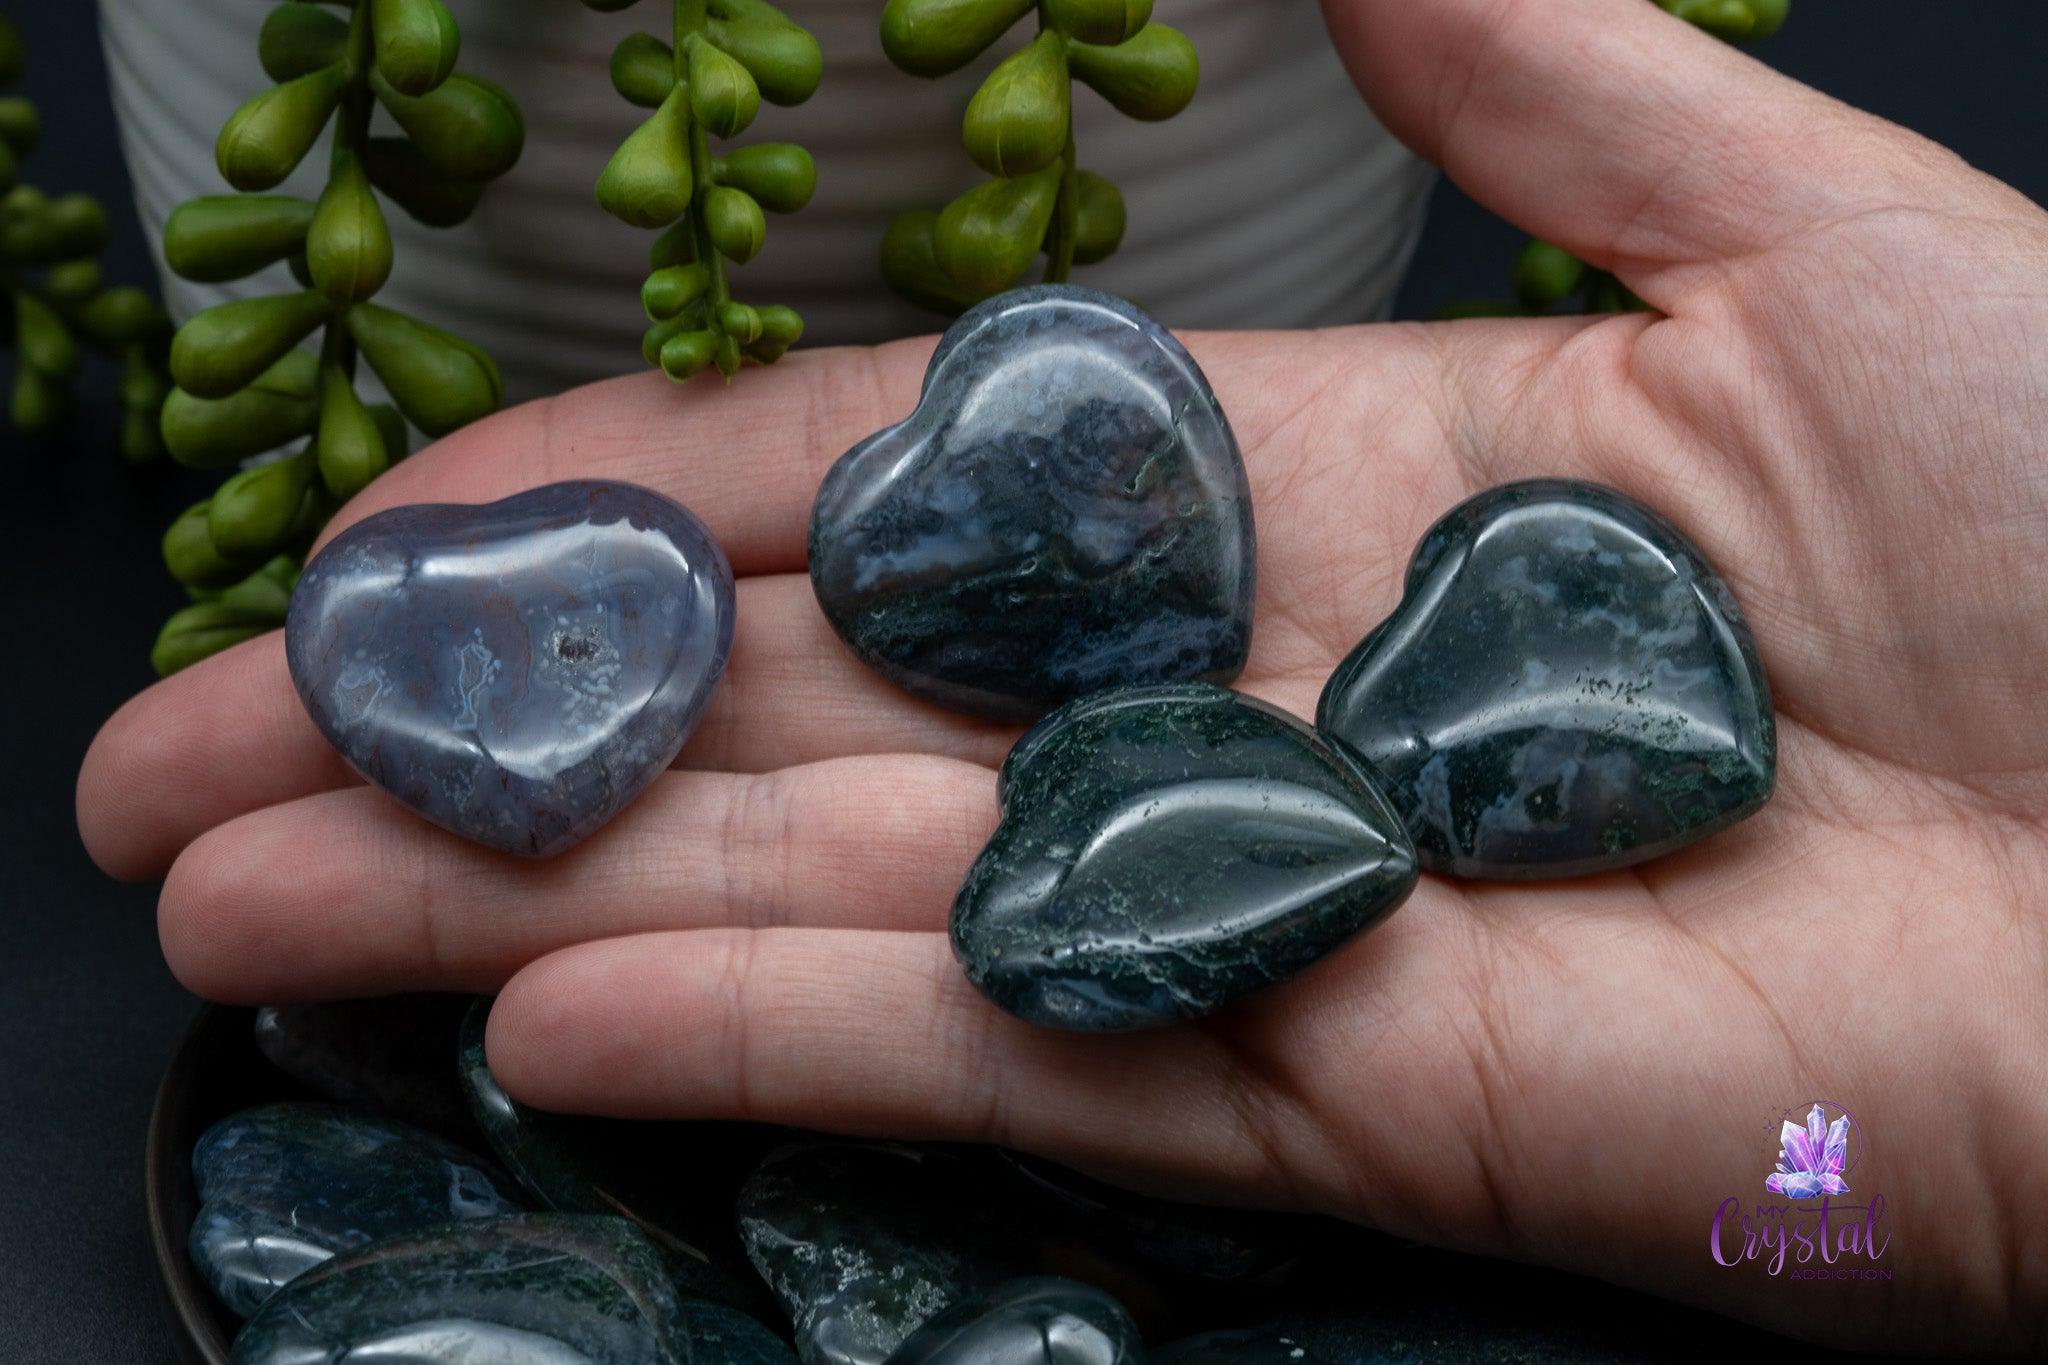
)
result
[(215, 1071)]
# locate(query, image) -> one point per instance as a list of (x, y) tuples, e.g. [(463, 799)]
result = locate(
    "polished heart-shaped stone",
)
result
[(537, 1289), (1035, 1320), (1567, 687), (288, 1186), (863, 1242), (1066, 510), (1165, 850), (519, 671)]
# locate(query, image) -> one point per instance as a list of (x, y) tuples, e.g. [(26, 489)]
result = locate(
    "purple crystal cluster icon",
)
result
[(1812, 1159)]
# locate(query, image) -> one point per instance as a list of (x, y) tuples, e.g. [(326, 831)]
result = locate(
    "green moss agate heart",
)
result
[(1567, 687), (1066, 510), (1165, 850)]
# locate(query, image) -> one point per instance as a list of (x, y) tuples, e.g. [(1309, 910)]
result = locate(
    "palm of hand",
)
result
[(1838, 409)]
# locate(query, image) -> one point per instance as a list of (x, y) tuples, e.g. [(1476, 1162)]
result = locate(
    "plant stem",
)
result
[(690, 17), (351, 139), (1066, 212)]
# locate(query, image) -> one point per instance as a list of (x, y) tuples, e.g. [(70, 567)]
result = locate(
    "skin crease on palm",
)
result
[(1844, 403)]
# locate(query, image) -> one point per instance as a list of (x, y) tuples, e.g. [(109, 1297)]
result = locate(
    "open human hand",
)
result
[(1842, 399)]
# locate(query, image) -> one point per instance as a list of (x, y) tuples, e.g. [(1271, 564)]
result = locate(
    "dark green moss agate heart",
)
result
[(1066, 510), (1567, 687), (1165, 850)]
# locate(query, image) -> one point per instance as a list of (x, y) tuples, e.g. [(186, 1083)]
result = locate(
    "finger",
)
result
[(229, 736), (746, 457), (871, 1033), (1617, 131), (348, 894)]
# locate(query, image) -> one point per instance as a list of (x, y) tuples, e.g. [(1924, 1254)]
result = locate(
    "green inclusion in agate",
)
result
[(1165, 850), (1566, 688)]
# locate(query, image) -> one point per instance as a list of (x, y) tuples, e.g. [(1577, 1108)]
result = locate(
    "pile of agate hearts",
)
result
[(1165, 850), (1567, 687), (1066, 510), (516, 672)]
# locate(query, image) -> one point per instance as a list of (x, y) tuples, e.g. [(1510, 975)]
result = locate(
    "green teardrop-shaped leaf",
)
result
[(140, 440), (38, 401), (986, 239), (723, 95), (190, 555), (911, 266), (781, 325), (350, 447), (35, 230), (677, 246), (230, 236), (647, 183), (417, 43), (299, 39), (244, 610), (13, 52), (391, 426), (466, 127), (735, 223), (933, 37), (268, 137), (687, 353), (781, 176), (656, 336), (427, 195), (1546, 275), (1018, 121), (1098, 21), (46, 344), (348, 248), (73, 282), (143, 386), (667, 292), (213, 433), (439, 381), (741, 323), (1099, 222), (1151, 77), (784, 60), (228, 345), (20, 125), (643, 70), (256, 510), (123, 316)]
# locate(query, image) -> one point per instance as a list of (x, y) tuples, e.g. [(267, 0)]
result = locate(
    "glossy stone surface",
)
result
[(392, 1055), (862, 1244), (1066, 510), (516, 672), (1166, 850), (1212, 1245), (1270, 1345), (1567, 687), (675, 1180), (538, 1289), (287, 1186), (1039, 1320)]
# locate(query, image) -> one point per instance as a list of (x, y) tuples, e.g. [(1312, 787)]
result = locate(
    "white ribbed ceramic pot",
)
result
[(1274, 200)]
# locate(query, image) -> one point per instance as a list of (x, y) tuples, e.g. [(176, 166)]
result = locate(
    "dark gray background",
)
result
[(88, 1015)]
